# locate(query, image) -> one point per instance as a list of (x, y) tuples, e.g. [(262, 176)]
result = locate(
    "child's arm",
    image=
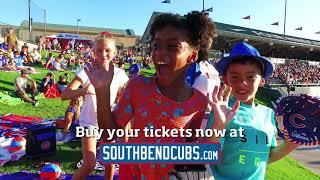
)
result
[(104, 114), (101, 77), (282, 150), (72, 90), (68, 120)]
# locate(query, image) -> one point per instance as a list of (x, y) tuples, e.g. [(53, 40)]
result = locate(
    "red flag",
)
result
[(247, 17)]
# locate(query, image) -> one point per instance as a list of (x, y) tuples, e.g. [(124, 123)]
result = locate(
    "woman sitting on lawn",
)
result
[(49, 61), (72, 113), (58, 63), (47, 82)]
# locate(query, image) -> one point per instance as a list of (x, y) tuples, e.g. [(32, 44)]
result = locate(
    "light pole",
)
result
[(202, 5), (285, 17), (30, 19), (45, 21), (78, 20)]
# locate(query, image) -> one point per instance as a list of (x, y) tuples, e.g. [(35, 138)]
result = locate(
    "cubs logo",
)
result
[(294, 120), (45, 145)]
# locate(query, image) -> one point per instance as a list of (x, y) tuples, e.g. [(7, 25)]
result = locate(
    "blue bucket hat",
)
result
[(243, 49)]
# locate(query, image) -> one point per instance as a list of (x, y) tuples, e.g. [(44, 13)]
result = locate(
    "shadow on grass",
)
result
[(6, 82), (5, 89)]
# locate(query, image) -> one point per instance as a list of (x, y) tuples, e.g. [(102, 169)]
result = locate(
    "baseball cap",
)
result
[(26, 71), (243, 49)]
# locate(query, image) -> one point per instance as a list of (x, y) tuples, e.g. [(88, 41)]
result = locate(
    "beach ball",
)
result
[(18, 143), (50, 171)]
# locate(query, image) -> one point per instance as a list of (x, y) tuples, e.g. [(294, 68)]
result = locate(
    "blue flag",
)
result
[(247, 17), (209, 10)]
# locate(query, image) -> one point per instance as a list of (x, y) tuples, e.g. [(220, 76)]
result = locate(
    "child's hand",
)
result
[(100, 75), (219, 103)]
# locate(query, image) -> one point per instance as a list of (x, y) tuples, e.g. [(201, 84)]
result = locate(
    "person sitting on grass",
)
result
[(22, 88), (134, 69), (36, 56), (145, 62), (28, 59), (63, 82), (72, 114), (18, 60), (4, 63), (47, 82), (72, 59), (58, 63), (49, 62)]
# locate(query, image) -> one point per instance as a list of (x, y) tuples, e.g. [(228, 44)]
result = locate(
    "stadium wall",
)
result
[(311, 90)]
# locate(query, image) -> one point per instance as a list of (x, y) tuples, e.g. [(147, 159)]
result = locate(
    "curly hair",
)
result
[(199, 27)]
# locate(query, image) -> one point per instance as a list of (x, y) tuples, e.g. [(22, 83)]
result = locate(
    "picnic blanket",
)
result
[(8, 98), (35, 176), (13, 129)]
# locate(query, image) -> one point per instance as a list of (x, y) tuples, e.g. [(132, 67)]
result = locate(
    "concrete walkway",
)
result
[(309, 157)]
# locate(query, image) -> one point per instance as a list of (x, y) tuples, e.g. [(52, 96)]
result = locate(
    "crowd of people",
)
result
[(297, 72), (184, 88)]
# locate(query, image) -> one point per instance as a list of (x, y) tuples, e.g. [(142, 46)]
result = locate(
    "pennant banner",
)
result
[(299, 29), (166, 1), (247, 17), (209, 10), (275, 24)]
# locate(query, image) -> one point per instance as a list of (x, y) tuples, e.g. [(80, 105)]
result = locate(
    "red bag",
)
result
[(52, 92)]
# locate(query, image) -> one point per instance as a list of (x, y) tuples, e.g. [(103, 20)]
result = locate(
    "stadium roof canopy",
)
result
[(269, 44), (2, 24), (37, 25)]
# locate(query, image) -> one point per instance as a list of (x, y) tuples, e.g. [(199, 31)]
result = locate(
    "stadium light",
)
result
[(246, 40), (78, 20), (30, 25), (311, 49), (271, 44), (292, 46)]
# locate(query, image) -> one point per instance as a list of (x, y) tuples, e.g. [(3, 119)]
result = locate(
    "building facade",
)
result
[(125, 38)]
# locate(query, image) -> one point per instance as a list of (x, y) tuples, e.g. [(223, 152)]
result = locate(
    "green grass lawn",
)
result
[(69, 154)]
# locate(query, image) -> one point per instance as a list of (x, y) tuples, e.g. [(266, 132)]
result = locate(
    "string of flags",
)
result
[(246, 17), (277, 24)]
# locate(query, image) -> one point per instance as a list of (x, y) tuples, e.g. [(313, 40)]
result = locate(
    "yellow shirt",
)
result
[(11, 38)]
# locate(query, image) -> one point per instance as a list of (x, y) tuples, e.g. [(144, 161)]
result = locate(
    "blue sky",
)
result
[(135, 14)]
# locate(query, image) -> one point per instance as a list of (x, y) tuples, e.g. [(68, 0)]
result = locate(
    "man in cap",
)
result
[(22, 88)]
